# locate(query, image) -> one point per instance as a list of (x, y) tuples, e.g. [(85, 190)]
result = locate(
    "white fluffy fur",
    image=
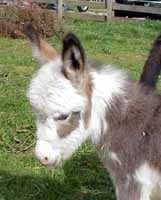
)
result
[(149, 180), (113, 156), (51, 94), (69, 144), (44, 150), (50, 145), (107, 84), (38, 55)]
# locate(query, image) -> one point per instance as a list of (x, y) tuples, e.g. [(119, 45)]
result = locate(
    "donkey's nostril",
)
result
[(46, 158)]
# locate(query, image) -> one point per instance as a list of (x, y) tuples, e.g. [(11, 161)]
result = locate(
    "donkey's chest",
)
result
[(125, 148)]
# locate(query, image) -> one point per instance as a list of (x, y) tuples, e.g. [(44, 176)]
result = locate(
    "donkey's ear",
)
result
[(42, 51), (73, 56)]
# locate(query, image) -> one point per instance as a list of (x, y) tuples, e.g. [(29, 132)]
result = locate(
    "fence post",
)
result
[(60, 12), (109, 8), (106, 9)]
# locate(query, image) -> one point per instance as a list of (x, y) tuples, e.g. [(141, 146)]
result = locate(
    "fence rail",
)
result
[(89, 16), (108, 7), (97, 5), (135, 8)]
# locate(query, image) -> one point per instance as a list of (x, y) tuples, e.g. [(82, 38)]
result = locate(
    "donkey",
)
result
[(74, 101)]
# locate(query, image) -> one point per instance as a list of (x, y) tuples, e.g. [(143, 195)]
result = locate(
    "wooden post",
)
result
[(60, 11), (106, 7), (109, 7)]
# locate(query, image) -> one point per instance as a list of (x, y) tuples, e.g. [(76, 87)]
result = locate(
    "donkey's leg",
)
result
[(133, 192), (128, 192), (145, 193)]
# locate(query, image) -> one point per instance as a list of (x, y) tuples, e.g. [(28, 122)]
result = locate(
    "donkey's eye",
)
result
[(61, 117)]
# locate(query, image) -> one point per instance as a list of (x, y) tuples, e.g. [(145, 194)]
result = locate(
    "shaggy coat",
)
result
[(74, 101)]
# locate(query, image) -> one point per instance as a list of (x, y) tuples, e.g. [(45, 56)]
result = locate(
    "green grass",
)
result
[(124, 43)]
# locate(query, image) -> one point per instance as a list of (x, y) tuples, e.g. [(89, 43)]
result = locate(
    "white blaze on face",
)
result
[(50, 148), (49, 143), (46, 137)]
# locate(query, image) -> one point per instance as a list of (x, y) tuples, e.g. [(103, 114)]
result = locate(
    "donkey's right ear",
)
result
[(42, 51), (73, 56)]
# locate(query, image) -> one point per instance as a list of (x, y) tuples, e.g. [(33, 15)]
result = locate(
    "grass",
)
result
[(124, 43)]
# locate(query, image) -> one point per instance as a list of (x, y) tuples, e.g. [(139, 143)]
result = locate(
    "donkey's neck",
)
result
[(108, 84)]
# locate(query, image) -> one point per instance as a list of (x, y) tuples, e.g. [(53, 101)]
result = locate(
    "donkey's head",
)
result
[(59, 94)]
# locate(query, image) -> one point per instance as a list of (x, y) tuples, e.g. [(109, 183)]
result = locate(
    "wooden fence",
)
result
[(105, 10)]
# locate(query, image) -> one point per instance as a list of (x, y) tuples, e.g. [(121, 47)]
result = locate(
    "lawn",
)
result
[(22, 177)]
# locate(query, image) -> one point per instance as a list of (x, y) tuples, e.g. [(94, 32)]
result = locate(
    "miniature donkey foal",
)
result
[(74, 101)]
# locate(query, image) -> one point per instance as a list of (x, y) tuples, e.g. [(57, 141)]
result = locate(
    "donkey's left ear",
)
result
[(42, 51), (73, 56)]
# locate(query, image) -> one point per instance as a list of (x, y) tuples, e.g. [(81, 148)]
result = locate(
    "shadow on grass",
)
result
[(81, 178)]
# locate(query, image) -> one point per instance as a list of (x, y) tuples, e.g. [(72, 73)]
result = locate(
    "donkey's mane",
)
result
[(152, 66)]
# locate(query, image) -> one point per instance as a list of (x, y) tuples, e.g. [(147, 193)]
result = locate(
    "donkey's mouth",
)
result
[(46, 162), (46, 154)]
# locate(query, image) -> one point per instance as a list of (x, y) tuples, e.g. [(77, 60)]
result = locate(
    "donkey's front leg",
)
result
[(128, 191), (146, 193)]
